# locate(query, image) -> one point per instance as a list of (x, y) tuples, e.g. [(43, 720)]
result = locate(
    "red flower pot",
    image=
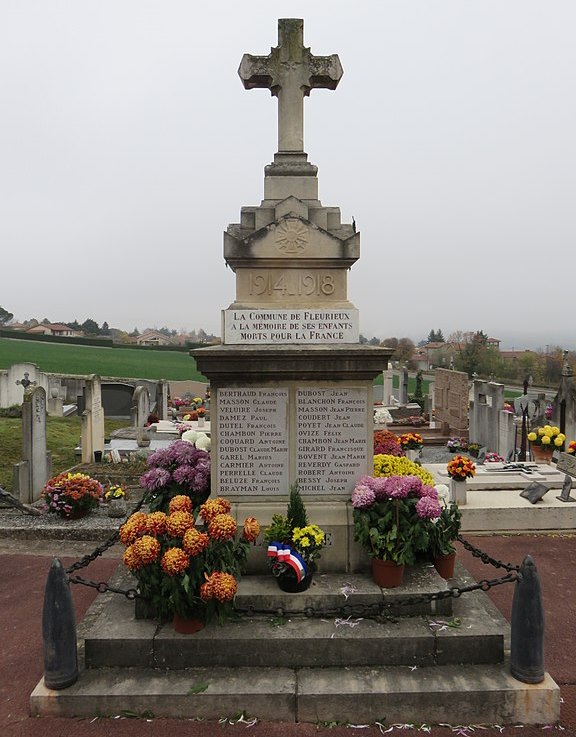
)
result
[(444, 564), (386, 573), (186, 625)]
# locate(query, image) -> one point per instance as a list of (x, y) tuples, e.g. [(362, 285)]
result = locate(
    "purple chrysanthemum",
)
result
[(155, 479), (428, 508), (379, 487), (414, 485), (396, 487), (429, 491), (362, 497)]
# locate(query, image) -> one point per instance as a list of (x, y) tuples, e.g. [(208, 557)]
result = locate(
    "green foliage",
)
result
[(296, 511), (391, 530), (445, 530), (279, 530), (120, 362), (435, 336), (15, 410)]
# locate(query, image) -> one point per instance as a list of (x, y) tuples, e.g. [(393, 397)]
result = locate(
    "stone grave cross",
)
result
[(290, 71)]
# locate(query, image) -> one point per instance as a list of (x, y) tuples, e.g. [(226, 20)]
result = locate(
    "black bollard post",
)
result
[(527, 627), (59, 631)]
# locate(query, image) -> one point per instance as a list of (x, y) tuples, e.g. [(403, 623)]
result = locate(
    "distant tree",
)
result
[(90, 327), (201, 336), (105, 329), (404, 350), (390, 342), (75, 325), (135, 333), (46, 321), (374, 341), (5, 316), (164, 330), (435, 336)]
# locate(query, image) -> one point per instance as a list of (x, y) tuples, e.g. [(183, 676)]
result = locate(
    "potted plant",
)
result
[(473, 449), (181, 468), (72, 495), (544, 440), (443, 533), (411, 443), (459, 469), (185, 570), (294, 545), (453, 444), (571, 447), (391, 521), (115, 495)]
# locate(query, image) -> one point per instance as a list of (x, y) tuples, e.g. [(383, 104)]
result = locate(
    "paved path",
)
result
[(24, 566)]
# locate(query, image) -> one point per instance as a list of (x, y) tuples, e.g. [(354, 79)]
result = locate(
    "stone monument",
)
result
[(292, 386), (35, 468), (93, 421)]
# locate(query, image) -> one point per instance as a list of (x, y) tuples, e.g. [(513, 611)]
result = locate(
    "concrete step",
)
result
[(116, 639), (472, 694)]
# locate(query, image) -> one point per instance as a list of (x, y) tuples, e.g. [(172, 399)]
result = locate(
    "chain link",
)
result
[(376, 610), (484, 557)]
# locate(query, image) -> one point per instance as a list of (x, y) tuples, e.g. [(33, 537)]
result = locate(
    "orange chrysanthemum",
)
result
[(194, 541), (219, 586), (131, 559), (212, 507), (251, 529), (174, 561), (222, 527), (156, 523), (178, 522), (134, 526), (147, 549), (180, 503)]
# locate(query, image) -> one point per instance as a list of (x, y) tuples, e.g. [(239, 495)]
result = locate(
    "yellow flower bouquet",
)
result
[(186, 568)]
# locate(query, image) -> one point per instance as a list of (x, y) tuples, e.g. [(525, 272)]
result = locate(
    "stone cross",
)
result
[(25, 382), (290, 71)]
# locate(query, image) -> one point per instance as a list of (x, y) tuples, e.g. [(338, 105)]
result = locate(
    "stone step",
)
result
[(471, 694), (116, 639)]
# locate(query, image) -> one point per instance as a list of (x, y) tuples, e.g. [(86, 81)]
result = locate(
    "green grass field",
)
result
[(118, 362)]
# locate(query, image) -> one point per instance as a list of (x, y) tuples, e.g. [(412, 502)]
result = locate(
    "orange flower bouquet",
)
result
[(72, 495), (411, 441), (461, 468), (184, 566)]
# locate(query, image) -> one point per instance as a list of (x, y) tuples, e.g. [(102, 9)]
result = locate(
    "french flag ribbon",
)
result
[(285, 554)]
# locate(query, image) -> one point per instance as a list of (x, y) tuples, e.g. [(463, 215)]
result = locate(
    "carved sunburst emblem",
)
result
[(291, 236)]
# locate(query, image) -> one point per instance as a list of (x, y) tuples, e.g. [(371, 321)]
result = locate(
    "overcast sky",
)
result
[(128, 144)]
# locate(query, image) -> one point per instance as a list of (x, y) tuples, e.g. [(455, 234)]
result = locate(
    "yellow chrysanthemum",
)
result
[(178, 522), (131, 559), (174, 561), (194, 541), (386, 465), (147, 549), (545, 439), (541, 431), (251, 529), (222, 527), (212, 507), (558, 442), (532, 436), (555, 430), (180, 503)]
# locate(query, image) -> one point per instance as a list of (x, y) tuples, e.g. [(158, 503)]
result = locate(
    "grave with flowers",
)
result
[(292, 406)]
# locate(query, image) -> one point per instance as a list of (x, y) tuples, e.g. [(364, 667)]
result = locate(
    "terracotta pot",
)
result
[(186, 625), (444, 564), (386, 573), (287, 582), (541, 453)]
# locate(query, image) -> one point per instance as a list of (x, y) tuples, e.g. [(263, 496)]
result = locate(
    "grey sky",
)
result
[(128, 143)]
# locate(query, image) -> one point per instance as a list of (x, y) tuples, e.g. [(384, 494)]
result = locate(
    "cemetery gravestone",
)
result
[(451, 400), (16, 379), (92, 421), (31, 474), (140, 406)]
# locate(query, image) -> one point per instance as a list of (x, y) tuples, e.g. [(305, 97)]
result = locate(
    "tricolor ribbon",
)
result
[(285, 554)]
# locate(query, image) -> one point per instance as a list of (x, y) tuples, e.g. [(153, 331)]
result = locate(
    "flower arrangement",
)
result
[(198, 439), (115, 491), (492, 457), (445, 530), (392, 516), (473, 449), (547, 436), (571, 447), (294, 544), (454, 444), (72, 495), (190, 416), (177, 402), (386, 443), (411, 441), (461, 468), (201, 411), (187, 569), (388, 465), (411, 421), (178, 469)]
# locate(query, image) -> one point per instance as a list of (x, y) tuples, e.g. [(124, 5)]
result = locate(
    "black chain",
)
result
[(484, 557), (102, 587)]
